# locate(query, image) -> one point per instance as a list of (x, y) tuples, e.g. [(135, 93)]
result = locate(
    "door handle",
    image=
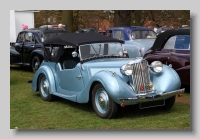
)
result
[(79, 76)]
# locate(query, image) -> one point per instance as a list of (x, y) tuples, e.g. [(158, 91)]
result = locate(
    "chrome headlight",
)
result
[(156, 66), (127, 69)]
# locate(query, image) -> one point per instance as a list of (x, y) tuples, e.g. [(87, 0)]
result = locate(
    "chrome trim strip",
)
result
[(151, 97)]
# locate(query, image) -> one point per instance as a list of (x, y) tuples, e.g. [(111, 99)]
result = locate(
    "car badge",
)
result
[(141, 87), (150, 85)]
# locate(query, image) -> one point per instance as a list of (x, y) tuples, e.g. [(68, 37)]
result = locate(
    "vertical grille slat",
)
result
[(141, 77)]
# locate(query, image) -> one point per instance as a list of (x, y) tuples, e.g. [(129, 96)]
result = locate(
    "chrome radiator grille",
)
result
[(140, 77)]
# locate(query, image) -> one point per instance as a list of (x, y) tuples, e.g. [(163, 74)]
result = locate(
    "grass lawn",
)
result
[(29, 111)]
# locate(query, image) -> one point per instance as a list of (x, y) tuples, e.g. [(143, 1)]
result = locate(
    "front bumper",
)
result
[(151, 97)]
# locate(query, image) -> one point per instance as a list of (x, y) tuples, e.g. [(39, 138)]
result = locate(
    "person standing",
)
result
[(60, 26), (24, 27)]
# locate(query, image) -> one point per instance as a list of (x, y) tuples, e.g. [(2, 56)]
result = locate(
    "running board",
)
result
[(65, 96)]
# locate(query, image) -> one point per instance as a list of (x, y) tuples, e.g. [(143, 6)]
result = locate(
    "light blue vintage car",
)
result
[(84, 67), (137, 39)]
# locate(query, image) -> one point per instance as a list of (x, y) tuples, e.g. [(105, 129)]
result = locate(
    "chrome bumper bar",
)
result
[(152, 97)]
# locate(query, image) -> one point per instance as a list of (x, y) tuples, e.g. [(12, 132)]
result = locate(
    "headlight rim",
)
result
[(155, 64), (124, 69)]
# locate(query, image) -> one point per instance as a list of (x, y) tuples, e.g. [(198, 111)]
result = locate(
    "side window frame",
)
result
[(118, 34), (29, 37), (135, 34), (170, 43), (20, 37), (185, 43)]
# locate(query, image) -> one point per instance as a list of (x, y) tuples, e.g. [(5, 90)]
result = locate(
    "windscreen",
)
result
[(143, 34), (101, 50)]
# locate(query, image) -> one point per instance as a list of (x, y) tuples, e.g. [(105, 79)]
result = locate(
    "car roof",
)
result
[(132, 28), (44, 32), (76, 39), (162, 38), (53, 27), (186, 27), (44, 29), (86, 30)]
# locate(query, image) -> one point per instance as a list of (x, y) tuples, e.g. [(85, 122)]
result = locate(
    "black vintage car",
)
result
[(28, 48)]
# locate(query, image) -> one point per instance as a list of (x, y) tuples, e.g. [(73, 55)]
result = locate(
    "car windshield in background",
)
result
[(143, 34), (101, 50)]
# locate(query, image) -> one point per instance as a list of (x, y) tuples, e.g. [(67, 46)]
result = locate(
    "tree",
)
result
[(77, 19), (67, 19), (122, 17), (47, 17), (173, 18)]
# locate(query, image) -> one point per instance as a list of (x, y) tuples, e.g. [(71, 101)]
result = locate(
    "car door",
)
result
[(19, 48), (69, 77), (28, 46), (70, 81)]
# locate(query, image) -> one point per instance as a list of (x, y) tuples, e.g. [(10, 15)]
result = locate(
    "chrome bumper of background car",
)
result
[(152, 97)]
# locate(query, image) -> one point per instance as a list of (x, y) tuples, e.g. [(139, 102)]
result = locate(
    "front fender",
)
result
[(184, 74), (166, 81), (115, 86), (46, 70)]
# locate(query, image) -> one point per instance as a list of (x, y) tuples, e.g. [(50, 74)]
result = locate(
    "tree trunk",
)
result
[(67, 19), (122, 18)]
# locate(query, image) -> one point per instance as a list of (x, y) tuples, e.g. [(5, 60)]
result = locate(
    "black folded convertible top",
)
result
[(163, 37), (76, 39)]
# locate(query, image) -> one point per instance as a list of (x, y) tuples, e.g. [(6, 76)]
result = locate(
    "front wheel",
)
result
[(44, 88), (102, 104), (35, 63)]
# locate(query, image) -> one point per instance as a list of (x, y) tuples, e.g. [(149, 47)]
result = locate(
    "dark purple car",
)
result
[(172, 47)]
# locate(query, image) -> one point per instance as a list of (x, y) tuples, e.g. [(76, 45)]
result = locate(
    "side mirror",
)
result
[(74, 54)]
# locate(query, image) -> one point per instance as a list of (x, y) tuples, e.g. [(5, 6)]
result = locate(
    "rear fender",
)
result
[(48, 73)]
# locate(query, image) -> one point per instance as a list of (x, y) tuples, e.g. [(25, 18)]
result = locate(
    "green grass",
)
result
[(29, 111)]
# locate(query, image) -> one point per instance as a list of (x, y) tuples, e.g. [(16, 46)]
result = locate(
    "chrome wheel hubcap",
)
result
[(44, 87), (102, 100), (36, 66)]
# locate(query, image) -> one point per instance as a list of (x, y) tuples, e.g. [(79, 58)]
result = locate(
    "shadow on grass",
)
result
[(134, 112), (80, 106), (127, 112), (20, 68)]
